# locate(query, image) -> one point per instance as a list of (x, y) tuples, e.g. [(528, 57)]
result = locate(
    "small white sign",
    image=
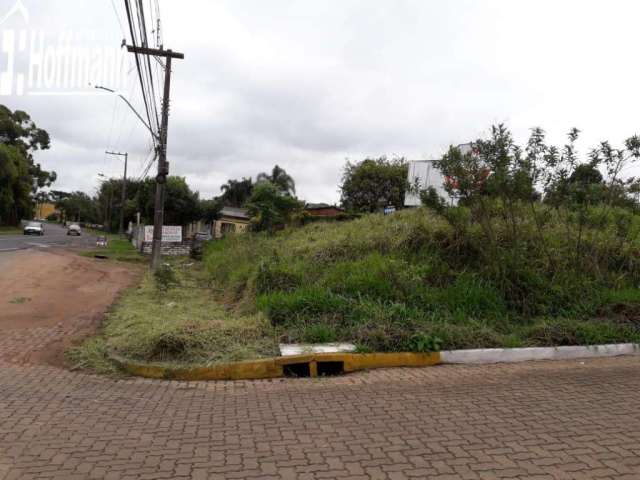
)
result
[(170, 234)]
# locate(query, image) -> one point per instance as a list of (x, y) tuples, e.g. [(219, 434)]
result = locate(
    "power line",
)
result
[(151, 158), (144, 40), (140, 74), (115, 10)]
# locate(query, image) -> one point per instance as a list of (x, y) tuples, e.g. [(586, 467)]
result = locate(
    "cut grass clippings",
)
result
[(179, 324)]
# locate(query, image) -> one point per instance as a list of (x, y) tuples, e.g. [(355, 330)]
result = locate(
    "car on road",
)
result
[(34, 228), (74, 229)]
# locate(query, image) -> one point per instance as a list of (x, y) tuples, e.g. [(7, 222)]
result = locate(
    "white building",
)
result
[(425, 174)]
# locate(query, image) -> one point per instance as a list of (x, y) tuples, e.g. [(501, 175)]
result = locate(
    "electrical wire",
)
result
[(115, 10), (143, 88)]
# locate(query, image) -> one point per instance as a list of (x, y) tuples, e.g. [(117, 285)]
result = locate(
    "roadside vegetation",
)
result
[(118, 248), (410, 281), (172, 318), (541, 250), (10, 230)]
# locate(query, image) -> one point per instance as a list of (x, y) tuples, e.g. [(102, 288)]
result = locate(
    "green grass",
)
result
[(406, 282), (10, 230), (181, 324), (118, 248), (410, 280)]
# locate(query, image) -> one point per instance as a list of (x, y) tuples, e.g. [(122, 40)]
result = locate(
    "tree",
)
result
[(210, 210), (586, 174), (78, 207), (373, 184), (270, 208), (236, 192), (182, 205), (281, 179), (109, 203), (429, 197), (20, 176)]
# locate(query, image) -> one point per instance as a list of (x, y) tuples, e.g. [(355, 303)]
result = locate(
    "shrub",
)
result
[(165, 277)]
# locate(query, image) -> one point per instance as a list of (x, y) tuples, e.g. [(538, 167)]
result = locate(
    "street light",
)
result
[(153, 134)]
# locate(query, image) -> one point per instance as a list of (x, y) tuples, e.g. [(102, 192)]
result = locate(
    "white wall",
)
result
[(428, 175)]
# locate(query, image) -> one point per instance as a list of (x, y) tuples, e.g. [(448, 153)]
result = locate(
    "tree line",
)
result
[(495, 168), (21, 177)]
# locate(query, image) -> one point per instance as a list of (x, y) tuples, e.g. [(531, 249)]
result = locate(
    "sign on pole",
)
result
[(170, 234)]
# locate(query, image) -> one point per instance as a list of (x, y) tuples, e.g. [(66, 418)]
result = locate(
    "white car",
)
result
[(34, 228), (74, 229)]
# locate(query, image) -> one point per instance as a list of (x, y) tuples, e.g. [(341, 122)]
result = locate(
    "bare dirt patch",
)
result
[(51, 299)]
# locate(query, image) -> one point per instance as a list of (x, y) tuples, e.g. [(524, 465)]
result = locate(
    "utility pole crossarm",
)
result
[(158, 52)]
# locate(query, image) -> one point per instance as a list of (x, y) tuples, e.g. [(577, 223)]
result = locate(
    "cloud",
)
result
[(308, 84)]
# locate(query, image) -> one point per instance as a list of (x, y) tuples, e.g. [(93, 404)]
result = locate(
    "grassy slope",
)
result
[(402, 282), (180, 324), (391, 283)]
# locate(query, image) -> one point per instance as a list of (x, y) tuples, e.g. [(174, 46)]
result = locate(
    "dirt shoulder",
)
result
[(49, 299)]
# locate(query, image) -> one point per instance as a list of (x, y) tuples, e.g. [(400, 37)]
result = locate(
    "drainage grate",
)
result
[(328, 369), (297, 370)]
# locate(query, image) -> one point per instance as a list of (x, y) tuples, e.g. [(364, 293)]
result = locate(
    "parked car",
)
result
[(197, 248), (74, 230), (203, 236), (34, 228)]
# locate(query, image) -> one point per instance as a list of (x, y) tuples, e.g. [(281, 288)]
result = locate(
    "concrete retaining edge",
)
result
[(511, 355), (275, 367)]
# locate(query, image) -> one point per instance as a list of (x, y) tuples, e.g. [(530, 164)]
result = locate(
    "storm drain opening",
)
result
[(297, 370), (329, 369)]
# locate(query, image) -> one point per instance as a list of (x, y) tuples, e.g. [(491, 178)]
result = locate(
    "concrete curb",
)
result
[(317, 364), (510, 355), (307, 365)]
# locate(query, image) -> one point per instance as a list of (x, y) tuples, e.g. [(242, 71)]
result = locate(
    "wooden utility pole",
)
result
[(163, 165), (123, 198)]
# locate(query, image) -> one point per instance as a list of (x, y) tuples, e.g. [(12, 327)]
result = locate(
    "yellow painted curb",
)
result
[(277, 367)]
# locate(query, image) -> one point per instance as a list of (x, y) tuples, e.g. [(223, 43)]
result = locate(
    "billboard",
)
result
[(170, 234)]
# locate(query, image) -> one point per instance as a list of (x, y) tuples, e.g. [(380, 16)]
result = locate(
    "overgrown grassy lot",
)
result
[(418, 281), (411, 281), (173, 318)]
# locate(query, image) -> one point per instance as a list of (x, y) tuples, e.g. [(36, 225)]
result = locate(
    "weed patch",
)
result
[(416, 281)]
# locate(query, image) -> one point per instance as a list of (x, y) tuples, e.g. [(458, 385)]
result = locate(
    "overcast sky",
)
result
[(306, 84)]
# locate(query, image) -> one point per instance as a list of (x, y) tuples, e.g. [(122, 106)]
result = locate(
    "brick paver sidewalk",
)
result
[(546, 420)]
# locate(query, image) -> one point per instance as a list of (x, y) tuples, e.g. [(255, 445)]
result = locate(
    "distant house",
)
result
[(322, 210), (232, 220), (43, 210)]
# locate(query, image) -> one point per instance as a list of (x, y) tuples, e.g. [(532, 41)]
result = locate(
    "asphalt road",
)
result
[(54, 235)]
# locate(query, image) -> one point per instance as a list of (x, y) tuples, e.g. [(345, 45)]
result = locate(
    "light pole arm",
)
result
[(153, 134)]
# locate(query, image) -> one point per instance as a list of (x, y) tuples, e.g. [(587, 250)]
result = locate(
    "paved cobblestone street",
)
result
[(545, 420)]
